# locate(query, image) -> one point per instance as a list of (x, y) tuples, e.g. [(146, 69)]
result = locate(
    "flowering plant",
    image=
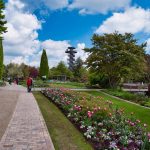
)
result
[(105, 126)]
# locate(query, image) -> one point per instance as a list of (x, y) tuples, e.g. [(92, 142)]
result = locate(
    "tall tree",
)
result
[(116, 56), (79, 71), (3, 29), (1, 58), (44, 68)]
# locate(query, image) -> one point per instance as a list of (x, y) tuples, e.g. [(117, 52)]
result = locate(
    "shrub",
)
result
[(136, 98)]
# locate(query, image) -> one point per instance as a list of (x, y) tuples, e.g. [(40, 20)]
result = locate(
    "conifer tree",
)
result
[(44, 68), (3, 29), (1, 58)]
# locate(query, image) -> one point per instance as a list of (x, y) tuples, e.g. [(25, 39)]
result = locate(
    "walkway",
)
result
[(26, 129)]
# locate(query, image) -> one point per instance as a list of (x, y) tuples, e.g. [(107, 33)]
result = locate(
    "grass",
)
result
[(72, 85), (139, 112), (40, 83), (63, 133), (136, 98)]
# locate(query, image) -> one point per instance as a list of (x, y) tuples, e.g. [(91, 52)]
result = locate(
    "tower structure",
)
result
[(71, 54)]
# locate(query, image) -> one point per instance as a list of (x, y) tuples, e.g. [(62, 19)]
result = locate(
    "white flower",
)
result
[(88, 136)]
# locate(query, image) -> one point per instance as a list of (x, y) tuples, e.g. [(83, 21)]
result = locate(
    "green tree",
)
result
[(1, 58), (60, 70), (3, 29), (13, 70), (44, 68), (116, 56), (80, 73)]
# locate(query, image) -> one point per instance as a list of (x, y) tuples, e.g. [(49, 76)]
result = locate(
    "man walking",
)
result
[(29, 84)]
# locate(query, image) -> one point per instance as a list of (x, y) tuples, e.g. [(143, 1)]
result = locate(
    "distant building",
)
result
[(71, 54)]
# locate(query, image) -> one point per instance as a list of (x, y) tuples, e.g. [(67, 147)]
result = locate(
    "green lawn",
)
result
[(64, 135), (72, 85), (140, 113)]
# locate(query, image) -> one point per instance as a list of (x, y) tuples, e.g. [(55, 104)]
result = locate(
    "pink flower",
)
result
[(132, 123), (95, 109), (105, 108), (89, 113)]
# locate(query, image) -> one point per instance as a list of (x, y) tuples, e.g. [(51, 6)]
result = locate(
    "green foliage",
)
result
[(13, 70), (136, 98), (116, 56), (99, 79), (1, 58), (21, 71), (44, 68), (60, 70), (139, 112), (3, 29), (79, 71)]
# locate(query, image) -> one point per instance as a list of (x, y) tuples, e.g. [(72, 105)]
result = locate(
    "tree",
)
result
[(116, 56), (1, 58), (25, 70), (3, 29), (33, 72), (44, 68), (14, 70), (79, 71), (60, 70)]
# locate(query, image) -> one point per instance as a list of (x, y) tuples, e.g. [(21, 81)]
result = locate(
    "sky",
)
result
[(54, 25)]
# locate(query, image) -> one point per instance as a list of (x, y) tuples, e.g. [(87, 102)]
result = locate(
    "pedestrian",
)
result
[(9, 80), (29, 84), (17, 81)]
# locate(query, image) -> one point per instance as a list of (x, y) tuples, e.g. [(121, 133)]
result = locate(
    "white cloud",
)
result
[(21, 38), (21, 44), (80, 51), (45, 4), (148, 46), (98, 6), (55, 50), (133, 20), (56, 4)]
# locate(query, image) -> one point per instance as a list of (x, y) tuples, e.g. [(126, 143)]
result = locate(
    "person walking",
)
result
[(29, 84)]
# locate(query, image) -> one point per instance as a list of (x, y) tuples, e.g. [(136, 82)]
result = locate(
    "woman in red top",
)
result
[(29, 84)]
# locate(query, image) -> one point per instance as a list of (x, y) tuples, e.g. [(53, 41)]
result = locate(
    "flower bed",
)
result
[(104, 126)]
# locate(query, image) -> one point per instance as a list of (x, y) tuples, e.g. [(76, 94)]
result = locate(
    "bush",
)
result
[(136, 98), (2, 83), (99, 79)]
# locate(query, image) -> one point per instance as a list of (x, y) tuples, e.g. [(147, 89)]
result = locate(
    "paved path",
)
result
[(7, 107), (27, 129)]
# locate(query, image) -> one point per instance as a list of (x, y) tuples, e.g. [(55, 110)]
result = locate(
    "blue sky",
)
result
[(57, 24)]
